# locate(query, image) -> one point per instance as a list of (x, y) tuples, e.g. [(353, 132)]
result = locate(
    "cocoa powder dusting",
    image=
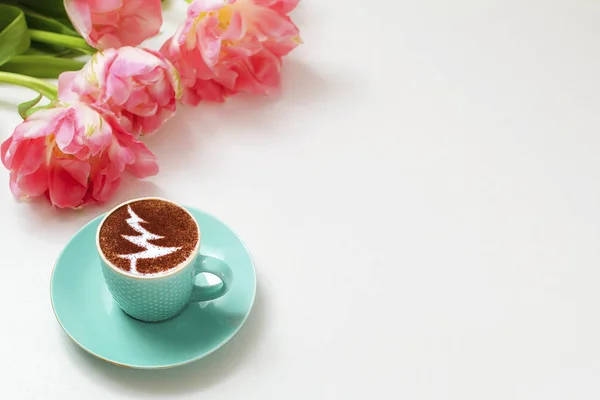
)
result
[(161, 218)]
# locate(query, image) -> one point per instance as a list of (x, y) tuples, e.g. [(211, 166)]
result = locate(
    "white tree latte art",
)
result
[(142, 240)]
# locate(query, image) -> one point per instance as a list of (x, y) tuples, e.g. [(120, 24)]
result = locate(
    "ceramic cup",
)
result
[(159, 297)]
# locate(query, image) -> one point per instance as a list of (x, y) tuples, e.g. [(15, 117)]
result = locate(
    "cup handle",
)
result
[(216, 267)]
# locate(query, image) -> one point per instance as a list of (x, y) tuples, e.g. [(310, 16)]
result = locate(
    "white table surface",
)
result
[(422, 203)]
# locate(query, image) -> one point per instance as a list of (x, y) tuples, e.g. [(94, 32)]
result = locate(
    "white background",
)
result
[(422, 203)]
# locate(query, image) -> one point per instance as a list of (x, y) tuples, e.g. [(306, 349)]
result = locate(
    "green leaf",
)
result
[(51, 8), (43, 23), (41, 66), (40, 49), (14, 37), (39, 22), (24, 108)]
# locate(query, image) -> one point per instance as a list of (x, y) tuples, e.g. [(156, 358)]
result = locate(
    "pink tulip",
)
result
[(115, 23), (231, 46), (73, 156), (137, 85)]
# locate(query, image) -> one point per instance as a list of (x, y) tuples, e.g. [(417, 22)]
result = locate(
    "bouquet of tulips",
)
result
[(73, 149)]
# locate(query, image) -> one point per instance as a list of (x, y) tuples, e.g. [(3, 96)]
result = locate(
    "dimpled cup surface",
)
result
[(154, 299)]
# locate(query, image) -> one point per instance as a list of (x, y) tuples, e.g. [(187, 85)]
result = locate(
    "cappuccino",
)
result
[(148, 237)]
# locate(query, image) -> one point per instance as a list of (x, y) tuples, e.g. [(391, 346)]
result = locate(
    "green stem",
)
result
[(48, 90), (41, 66), (70, 42)]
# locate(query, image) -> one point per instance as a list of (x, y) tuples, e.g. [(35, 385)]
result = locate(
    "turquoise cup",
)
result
[(153, 298)]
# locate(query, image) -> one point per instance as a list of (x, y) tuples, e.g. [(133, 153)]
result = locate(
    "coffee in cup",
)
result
[(148, 237)]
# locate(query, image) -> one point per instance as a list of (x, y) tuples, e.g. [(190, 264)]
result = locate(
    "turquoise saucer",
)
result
[(86, 311)]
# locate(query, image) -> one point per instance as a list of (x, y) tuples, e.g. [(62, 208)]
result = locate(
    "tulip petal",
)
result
[(281, 6), (114, 23), (67, 183), (32, 185)]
